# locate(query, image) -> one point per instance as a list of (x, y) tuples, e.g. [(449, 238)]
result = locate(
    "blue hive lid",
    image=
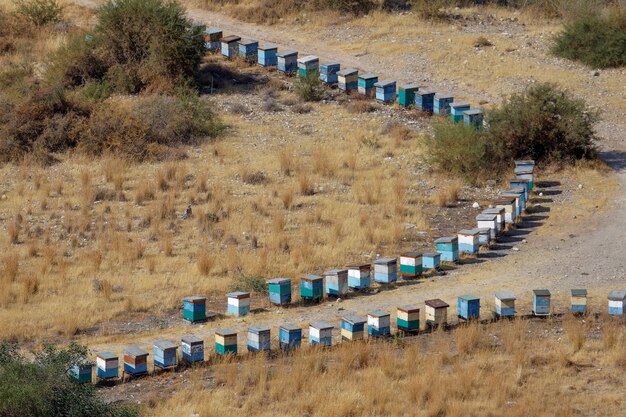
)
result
[(348, 71), (472, 112), (524, 162), (107, 355), (248, 42), (425, 93), (523, 170), (432, 255), (442, 96), (354, 319), (321, 325), (409, 87), (279, 281), (238, 294), (164, 344), (290, 327), (368, 76), (385, 261), (378, 313), (288, 52), (469, 297), (469, 232), (579, 292), (191, 339), (135, 351), (460, 104), (505, 296), (312, 277), (617, 295), (308, 58), (542, 293)]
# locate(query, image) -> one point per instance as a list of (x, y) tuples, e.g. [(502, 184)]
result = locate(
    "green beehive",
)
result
[(406, 94)]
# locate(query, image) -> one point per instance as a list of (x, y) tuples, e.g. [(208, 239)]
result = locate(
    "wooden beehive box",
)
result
[(473, 117), (135, 361), (448, 248), (490, 221), (359, 276), (408, 319), (288, 61), (259, 339), (230, 46), (436, 313), (249, 50), (431, 261), (484, 235), (521, 183), (509, 206), (165, 354), (456, 110), (268, 55), (526, 173), (378, 323), (505, 304), (441, 104), (406, 94), (469, 241), (468, 307), (579, 301), (194, 309), (386, 270), (425, 101), (411, 264), (192, 348), (500, 218), (519, 197), (290, 337), (541, 302), (107, 365), (279, 291), (225, 342), (366, 84), (212, 39), (336, 282), (348, 79), (617, 302), (328, 72), (312, 288), (353, 327), (81, 371), (385, 91), (238, 303), (308, 66), (320, 333)]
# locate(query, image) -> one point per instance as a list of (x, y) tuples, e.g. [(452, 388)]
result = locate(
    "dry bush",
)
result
[(286, 161), (286, 197), (305, 185), (167, 245), (10, 268), (576, 331), (30, 287), (205, 262), (361, 106), (144, 192), (449, 195), (252, 177), (13, 230)]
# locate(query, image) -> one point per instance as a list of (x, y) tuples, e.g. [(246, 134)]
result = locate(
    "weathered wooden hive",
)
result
[(249, 50), (308, 66), (500, 213), (107, 365), (268, 55), (165, 354), (135, 361), (259, 339), (320, 333), (194, 309), (366, 84), (385, 91), (509, 206), (290, 337), (192, 348), (469, 241), (288, 61), (81, 371), (336, 282), (490, 221), (519, 197), (353, 327), (505, 304), (378, 323), (348, 79), (230, 46), (431, 260), (359, 276), (436, 313), (617, 302), (328, 72), (406, 94), (212, 39), (457, 108), (579, 301), (408, 318), (441, 104), (386, 270), (411, 264), (225, 342), (448, 248), (484, 235), (473, 117), (541, 302), (425, 101), (279, 291), (468, 307)]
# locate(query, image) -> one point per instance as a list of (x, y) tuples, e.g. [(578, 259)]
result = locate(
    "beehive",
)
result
[(81, 371), (249, 50), (436, 313), (411, 264), (484, 235), (526, 173), (366, 84), (336, 282), (192, 348), (165, 354), (230, 46), (353, 327), (386, 270), (107, 365), (441, 104), (279, 291), (259, 339), (238, 303), (268, 56), (500, 218), (290, 337), (359, 276), (328, 72), (378, 323), (406, 94), (194, 309), (425, 101), (473, 117), (320, 333), (519, 196), (408, 318), (523, 196), (431, 260), (509, 206), (212, 39), (617, 302), (385, 91), (468, 307), (469, 241), (489, 221), (308, 66), (288, 61), (505, 304), (579, 301), (457, 108), (525, 184), (525, 163), (448, 247), (348, 79), (541, 302), (135, 361), (225, 342), (312, 288)]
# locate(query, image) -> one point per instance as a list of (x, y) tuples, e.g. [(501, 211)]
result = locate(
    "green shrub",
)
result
[(594, 40), (40, 12), (309, 88), (355, 7), (249, 283)]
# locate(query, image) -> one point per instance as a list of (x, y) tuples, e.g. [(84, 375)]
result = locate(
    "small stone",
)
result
[(340, 308), (339, 300), (595, 73), (515, 248), (4, 196), (476, 205), (524, 241), (540, 194), (580, 186), (408, 226), (574, 217)]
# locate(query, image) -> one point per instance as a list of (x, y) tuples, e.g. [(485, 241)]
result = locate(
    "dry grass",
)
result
[(449, 195)]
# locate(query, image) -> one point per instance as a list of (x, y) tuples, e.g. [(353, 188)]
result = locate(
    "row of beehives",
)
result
[(349, 79), (490, 224), (353, 327)]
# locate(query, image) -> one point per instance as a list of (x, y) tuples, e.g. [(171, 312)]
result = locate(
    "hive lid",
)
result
[(487, 217), (164, 344), (385, 83), (494, 210), (505, 200), (347, 71), (617, 295), (191, 339), (524, 162), (107, 355), (385, 261), (447, 239), (248, 42), (483, 230), (436, 303), (354, 319), (444, 96), (408, 308), (472, 112), (238, 294), (320, 324), (279, 281), (308, 58), (225, 332), (194, 298), (432, 255), (368, 76), (359, 266), (579, 292), (505, 296), (468, 297), (468, 232), (412, 254), (542, 293), (288, 52), (213, 31), (425, 93), (337, 271), (268, 47), (459, 104), (258, 328), (290, 327), (517, 190), (135, 351), (523, 170), (311, 277), (519, 181), (378, 313), (231, 39), (409, 87)]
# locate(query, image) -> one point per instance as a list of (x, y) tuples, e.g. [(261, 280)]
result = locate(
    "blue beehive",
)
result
[(473, 117), (312, 288), (519, 197), (366, 84), (320, 333), (457, 108), (505, 304), (408, 319), (290, 337), (525, 184), (249, 50), (279, 290), (328, 72), (386, 270), (288, 61), (448, 247), (469, 241), (135, 361), (352, 327), (238, 303), (425, 101), (431, 260), (617, 303), (192, 348), (212, 39), (525, 163), (348, 79), (259, 339), (484, 235), (268, 56), (541, 302), (107, 365), (378, 323), (579, 301), (468, 307), (308, 66), (385, 91), (525, 173), (165, 354), (81, 371), (441, 104), (359, 276), (230, 46), (406, 94), (336, 282), (194, 309)]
